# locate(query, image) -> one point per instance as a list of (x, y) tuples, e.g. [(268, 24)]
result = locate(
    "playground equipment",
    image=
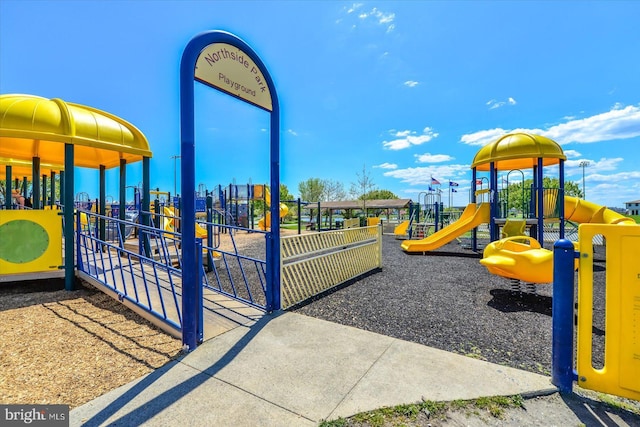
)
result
[(265, 222), (168, 222), (519, 257), (401, 229), (512, 258), (54, 135), (471, 217)]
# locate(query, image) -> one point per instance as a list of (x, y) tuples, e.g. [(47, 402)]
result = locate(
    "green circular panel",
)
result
[(22, 241)]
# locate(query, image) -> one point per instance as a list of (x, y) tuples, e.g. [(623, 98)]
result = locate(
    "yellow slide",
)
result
[(470, 219), (581, 211), (265, 222), (168, 223), (401, 229)]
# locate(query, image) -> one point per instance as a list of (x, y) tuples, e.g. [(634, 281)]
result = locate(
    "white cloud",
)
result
[(422, 175), (375, 15), (493, 104), (386, 165), (618, 123), (292, 132), (411, 83), (572, 153), (354, 7), (432, 158), (406, 139), (572, 167)]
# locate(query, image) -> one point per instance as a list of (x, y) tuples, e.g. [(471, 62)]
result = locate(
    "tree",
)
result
[(284, 193), (311, 190), (381, 195), (334, 190), (362, 187)]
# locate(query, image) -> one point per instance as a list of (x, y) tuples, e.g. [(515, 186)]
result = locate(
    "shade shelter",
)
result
[(520, 151), (57, 135)]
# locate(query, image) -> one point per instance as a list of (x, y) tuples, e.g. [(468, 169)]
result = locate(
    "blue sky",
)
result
[(409, 90)]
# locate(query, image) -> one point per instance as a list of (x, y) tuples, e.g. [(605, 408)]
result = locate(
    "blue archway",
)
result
[(216, 58)]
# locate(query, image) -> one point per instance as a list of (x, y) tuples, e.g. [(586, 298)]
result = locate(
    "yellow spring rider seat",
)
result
[(519, 257)]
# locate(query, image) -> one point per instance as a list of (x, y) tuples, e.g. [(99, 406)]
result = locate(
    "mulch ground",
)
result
[(61, 347), (448, 300)]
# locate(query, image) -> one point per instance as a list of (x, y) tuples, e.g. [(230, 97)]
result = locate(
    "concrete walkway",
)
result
[(294, 370)]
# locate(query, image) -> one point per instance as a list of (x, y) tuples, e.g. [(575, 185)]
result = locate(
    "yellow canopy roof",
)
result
[(32, 126), (22, 168), (518, 151)]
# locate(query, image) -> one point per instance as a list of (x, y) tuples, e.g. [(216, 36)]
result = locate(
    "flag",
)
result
[(453, 184), (478, 182), (434, 181), (453, 190)]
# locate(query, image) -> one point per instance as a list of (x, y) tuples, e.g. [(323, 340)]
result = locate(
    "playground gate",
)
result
[(314, 263)]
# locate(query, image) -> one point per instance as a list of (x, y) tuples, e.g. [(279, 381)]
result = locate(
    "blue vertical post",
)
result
[(7, 198), (493, 199), (145, 215), (35, 184), (561, 197), (562, 373), (102, 202), (474, 232), (199, 294), (69, 270), (540, 201), (123, 199), (273, 249), (187, 187), (52, 196)]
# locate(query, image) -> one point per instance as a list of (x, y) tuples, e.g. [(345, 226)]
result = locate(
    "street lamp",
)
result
[(175, 174), (583, 164)]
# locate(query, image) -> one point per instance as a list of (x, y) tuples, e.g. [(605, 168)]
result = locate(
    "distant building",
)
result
[(633, 208)]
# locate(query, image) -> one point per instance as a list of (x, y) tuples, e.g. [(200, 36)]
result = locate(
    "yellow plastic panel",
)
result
[(30, 241), (620, 374)]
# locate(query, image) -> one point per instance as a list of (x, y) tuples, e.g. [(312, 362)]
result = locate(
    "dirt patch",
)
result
[(61, 347)]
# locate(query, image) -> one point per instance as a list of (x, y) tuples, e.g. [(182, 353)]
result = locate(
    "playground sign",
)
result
[(229, 69)]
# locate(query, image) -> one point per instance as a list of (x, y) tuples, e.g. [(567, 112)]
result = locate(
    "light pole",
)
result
[(175, 174), (583, 164)]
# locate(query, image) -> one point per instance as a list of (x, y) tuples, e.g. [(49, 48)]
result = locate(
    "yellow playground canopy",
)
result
[(518, 151), (32, 126)]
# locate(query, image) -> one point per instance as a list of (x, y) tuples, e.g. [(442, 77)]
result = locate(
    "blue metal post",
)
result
[(474, 232), (561, 197), (188, 208), (8, 178), (493, 199), (199, 295), (35, 183), (69, 270), (562, 373), (540, 201)]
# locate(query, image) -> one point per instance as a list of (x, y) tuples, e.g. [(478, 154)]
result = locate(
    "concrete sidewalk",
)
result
[(294, 370)]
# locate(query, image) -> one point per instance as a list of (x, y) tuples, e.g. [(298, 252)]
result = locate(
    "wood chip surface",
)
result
[(61, 347)]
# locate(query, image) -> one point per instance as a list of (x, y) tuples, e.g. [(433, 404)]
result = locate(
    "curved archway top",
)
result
[(33, 126), (518, 151)]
